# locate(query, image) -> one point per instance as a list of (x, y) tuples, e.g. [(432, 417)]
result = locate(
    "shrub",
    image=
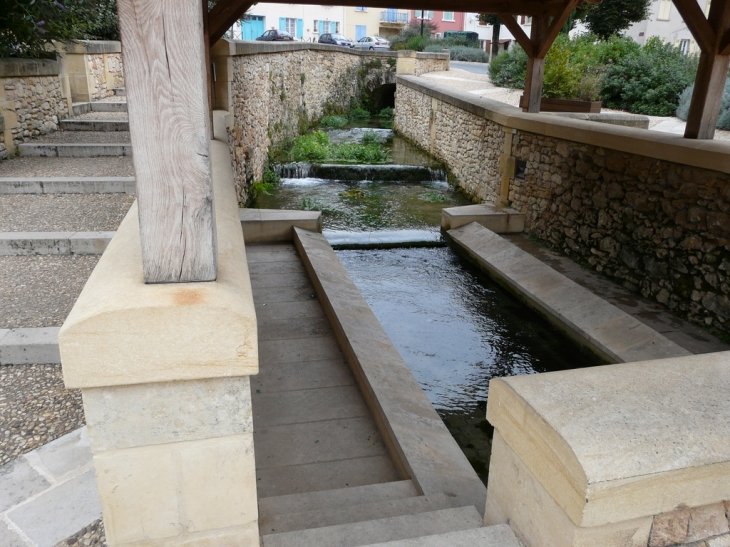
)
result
[(418, 43), (723, 121), (561, 78), (386, 114), (371, 137), (413, 29), (316, 147), (650, 80), (359, 114), (470, 54), (333, 121), (508, 69)]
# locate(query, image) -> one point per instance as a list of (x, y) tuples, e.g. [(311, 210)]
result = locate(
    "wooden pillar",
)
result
[(712, 36), (535, 65), (165, 78)]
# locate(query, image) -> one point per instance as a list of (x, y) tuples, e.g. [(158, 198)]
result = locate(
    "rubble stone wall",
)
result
[(648, 210), (107, 74)]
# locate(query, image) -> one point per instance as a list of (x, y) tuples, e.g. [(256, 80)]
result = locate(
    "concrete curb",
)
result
[(29, 347), (48, 494), (68, 185), (53, 243), (587, 318), (83, 108), (63, 150), (94, 125), (419, 443)]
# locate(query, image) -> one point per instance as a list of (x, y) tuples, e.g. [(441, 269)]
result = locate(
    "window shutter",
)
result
[(300, 28), (282, 23)]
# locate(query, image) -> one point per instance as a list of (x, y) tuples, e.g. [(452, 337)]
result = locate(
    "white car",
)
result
[(372, 42)]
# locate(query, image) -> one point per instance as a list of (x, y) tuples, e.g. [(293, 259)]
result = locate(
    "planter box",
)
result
[(565, 105)]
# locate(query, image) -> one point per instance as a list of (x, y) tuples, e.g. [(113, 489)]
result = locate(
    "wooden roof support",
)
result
[(223, 15), (165, 78), (713, 37)]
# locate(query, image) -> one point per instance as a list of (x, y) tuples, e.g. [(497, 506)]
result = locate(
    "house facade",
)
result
[(444, 20), (666, 23), (305, 22), (472, 24)]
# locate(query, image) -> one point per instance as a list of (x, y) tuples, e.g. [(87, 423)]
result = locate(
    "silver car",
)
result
[(371, 43)]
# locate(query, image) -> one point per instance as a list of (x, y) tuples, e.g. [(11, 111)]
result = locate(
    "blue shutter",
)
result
[(300, 28), (321, 27), (360, 31), (282, 23), (333, 27)]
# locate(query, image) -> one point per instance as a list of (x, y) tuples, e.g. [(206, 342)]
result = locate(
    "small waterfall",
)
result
[(297, 170), (438, 175), (384, 173)]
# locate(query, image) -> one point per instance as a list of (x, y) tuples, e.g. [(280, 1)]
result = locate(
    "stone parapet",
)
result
[(649, 210), (23, 68), (605, 455)]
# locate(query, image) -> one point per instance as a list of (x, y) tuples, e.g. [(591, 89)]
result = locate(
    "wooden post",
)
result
[(165, 78)]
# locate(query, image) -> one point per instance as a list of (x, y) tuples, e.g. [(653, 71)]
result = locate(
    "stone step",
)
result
[(53, 243), (499, 535), (75, 150), (354, 513), (120, 92), (67, 185), (72, 124), (29, 346), (500, 220), (324, 499), (82, 108), (379, 530)]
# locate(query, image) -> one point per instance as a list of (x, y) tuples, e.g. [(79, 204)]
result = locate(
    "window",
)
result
[(291, 26), (361, 9), (448, 16), (527, 19), (665, 7), (316, 26), (428, 17), (684, 46)]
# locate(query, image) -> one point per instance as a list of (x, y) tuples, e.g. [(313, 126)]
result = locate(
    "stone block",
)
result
[(719, 541), (707, 521), (272, 225), (18, 482), (167, 412), (59, 512), (34, 243), (156, 492), (30, 346), (670, 528), (89, 243), (499, 220), (20, 186)]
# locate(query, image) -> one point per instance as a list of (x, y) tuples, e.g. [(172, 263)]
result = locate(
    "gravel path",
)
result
[(35, 408), (84, 137), (113, 116), (91, 536), (40, 290), (63, 212), (107, 166)]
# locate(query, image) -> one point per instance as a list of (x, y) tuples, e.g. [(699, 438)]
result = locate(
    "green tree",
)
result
[(611, 17), (494, 20)]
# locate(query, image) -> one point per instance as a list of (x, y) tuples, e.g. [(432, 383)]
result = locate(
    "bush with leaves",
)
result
[(413, 29), (723, 121), (509, 69), (459, 53), (649, 81)]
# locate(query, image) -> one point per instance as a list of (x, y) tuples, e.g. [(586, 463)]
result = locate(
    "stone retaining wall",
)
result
[(649, 210), (275, 91), (93, 69), (106, 71), (31, 101)]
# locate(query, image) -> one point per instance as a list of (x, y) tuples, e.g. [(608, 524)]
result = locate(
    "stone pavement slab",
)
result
[(67, 185), (29, 346)]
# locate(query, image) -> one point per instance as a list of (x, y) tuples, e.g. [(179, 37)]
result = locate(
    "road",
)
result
[(476, 68)]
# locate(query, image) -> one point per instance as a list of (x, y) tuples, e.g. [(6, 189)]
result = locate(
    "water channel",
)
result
[(455, 328)]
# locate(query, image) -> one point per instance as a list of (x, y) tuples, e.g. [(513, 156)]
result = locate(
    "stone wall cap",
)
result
[(622, 441), (122, 331), (11, 67), (706, 154), (252, 47), (89, 47)]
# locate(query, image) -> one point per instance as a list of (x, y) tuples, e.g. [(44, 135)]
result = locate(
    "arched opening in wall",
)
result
[(383, 97)]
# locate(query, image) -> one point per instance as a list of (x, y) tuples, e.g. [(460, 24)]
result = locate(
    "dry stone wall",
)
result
[(106, 71), (706, 526), (657, 226)]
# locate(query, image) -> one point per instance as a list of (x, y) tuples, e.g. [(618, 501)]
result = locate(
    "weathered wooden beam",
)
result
[(704, 108), (556, 26), (697, 23), (223, 15), (536, 65), (514, 27), (164, 69), (725, 43)]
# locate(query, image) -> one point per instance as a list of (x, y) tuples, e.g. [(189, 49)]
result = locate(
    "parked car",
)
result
[(276, 36), (334, 39), (372, 42)]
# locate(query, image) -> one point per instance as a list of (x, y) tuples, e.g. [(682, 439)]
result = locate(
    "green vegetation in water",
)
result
[(386, 114), (354, 193), (359, 114), (433, 197), (309, 204), (371, 137), (316, 147), (333, 121), (267, 185)]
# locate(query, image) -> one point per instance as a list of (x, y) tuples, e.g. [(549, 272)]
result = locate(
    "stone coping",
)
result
[(608, 331), (89, 47), (419, 443), (26, 346), (274, 225), (619, 442), (53, 243), (67, 185), (246, 47), (122, 331), (707, 154), (19, 68)]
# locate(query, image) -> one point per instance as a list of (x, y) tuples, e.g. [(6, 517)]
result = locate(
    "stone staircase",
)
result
[(392, 514)]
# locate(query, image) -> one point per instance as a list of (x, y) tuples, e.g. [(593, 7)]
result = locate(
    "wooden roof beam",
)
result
[(514, 27), (223, 15), (697, 23)]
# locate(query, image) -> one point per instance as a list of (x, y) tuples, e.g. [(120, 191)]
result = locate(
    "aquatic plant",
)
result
[(316, 147), (358, 114), (433, 197), (333, 121)]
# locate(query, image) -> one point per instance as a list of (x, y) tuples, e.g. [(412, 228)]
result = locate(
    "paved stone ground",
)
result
[(35, 408), (63, 212), (84, 137), (39, 291), (90, 536), (107, 166)]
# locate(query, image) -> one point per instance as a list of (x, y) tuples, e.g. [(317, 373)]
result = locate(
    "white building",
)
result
[(665, 22), (472, 24), (304, 21)]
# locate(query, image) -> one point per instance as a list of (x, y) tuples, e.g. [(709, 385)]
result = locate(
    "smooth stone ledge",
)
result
[(74, 150), (619, 442), (419, 443), (611, 333), (94, 125), (707, 154), (67, 185), (98, 106), (500, 220), (53, 243), (272, 225), (29, 346), (122, 331)]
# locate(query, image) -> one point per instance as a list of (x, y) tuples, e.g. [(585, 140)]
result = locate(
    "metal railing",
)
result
[(400, 17)]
